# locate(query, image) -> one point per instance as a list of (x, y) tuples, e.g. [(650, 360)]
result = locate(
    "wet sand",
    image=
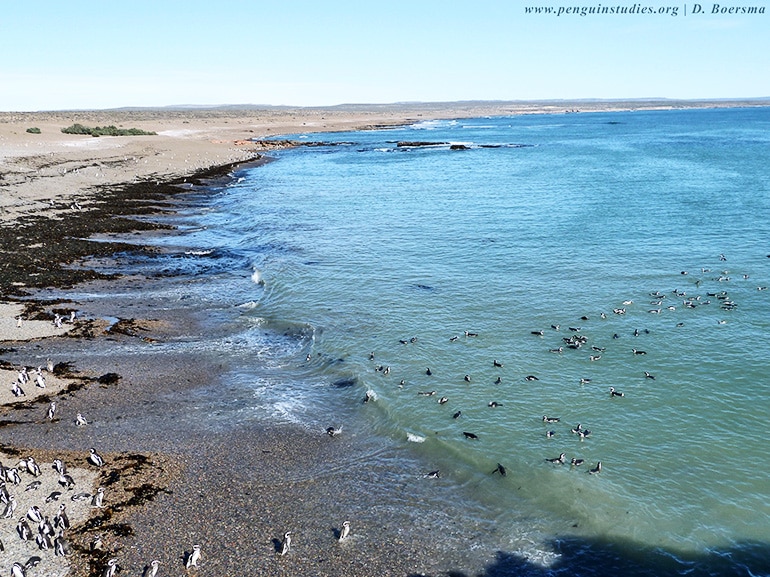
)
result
[(168, 483)]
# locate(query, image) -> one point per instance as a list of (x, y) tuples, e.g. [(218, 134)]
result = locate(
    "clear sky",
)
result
[(64, 54)]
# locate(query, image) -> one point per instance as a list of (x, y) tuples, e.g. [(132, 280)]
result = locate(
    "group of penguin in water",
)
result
[(577, 341)]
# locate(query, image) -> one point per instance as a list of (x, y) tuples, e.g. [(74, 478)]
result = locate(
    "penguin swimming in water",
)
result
[(596, 470), (558, 460), (614, 393)]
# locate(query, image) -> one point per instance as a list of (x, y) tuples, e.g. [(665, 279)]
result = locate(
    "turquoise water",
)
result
[(333, 253)]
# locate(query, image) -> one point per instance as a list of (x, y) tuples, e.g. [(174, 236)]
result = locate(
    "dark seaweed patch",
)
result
[(109, 379)]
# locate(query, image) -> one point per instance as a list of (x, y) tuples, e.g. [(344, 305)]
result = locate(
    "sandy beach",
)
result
[(163, 494)]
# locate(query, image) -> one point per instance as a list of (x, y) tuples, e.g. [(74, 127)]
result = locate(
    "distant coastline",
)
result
[(462, 106)]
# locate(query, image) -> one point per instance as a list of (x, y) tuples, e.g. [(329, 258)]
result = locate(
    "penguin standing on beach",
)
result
[(94, 458), (111, 568), (286, 545), (17, 570), (194, 557), (98, 498), (51, 410), (152, 569), (344, 531)]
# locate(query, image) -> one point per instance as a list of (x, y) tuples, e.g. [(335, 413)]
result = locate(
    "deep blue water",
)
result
[(329, 254)]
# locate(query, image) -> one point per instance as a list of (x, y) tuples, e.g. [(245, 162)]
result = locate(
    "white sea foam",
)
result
[(412, 438), (256, 277)]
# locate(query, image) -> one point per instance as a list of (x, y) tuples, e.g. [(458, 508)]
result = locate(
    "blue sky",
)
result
[(67, 54)]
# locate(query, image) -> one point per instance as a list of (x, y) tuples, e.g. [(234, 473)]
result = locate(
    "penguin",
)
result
[(547, 419), (53, 496), (34, 514), (13, 475), (33, 486), (61, 520), (61, 547), (152, 569), (333, 431), (17, 570), (111, 568), (80, 420), (433, 474), (33, 467), (66, 481), (45, 527), (22, 528), (286, 545), (59, 466), (500, 469), (597, 469), (44, 542), (443, 400), (494, 404), (194, 557), (94, 458), (51, 410), (457, 415), (614, 393), (344, 531), (497, 363), (10, 508), (96, 544), (557, 460), (470, 435), (98, 498), (576, 462)]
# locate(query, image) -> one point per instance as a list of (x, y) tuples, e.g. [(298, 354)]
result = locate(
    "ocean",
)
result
[(469, 278)]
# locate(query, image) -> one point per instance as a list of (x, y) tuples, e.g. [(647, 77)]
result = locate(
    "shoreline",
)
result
[(188, 490)]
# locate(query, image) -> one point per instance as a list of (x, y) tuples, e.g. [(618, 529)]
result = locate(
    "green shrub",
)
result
[(105, 131), (33, 130)]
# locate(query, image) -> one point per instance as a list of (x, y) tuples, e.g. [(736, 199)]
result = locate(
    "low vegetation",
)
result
[(105, 131), (33, 130)]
